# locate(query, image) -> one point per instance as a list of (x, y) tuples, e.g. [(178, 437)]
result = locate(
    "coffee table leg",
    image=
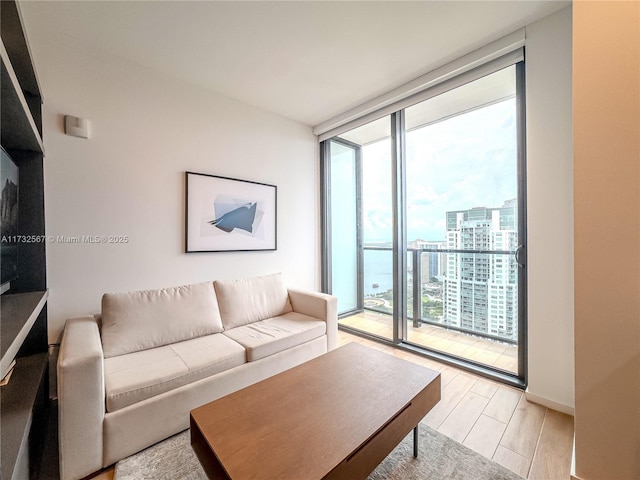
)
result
[(415, 442)]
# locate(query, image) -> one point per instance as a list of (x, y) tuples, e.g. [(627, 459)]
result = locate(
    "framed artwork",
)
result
[(226, 214)]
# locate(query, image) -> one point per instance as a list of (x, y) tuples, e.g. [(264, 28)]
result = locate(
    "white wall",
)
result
[(550, 211), (128, 178)]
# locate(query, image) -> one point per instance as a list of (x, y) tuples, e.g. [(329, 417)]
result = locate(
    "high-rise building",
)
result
[(432, 264), (481, 289)]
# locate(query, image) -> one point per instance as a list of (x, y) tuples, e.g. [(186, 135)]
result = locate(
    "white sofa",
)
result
[(129, 377)]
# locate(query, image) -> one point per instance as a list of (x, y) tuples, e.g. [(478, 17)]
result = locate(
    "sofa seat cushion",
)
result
[(276, 334), (134, 377), (142, 320)]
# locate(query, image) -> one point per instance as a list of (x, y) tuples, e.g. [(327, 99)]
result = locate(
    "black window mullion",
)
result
[(325, 217), (522, 221), (399, 231), (359, 226)]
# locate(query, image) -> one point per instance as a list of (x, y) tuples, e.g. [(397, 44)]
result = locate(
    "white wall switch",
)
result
[(76, 127)]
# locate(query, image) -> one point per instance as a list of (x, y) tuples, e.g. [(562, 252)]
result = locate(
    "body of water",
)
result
[(378, 269)]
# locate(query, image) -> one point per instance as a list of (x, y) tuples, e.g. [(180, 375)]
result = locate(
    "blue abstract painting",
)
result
[(225, 214)]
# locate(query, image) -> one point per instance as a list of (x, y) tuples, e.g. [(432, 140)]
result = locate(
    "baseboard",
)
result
[(545, 402)]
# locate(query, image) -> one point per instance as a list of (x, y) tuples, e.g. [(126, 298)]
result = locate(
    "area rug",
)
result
[(439, 458)]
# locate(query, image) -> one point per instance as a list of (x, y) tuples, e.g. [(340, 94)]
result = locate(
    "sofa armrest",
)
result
[(318, 305), (81, 398)]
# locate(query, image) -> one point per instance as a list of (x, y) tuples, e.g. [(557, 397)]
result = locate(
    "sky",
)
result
[(466, 161)]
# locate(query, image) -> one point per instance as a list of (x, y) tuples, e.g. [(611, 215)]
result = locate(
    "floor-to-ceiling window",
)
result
[(344, 213), (456, 160), (361, 222)]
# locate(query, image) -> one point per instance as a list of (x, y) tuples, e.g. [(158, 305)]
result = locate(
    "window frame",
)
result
[(398, 180)]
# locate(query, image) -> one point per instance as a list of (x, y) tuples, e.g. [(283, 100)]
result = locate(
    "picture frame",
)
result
[(225, 214)]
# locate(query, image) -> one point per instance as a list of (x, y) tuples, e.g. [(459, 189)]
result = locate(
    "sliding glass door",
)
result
[(426, 210), (462, 221)]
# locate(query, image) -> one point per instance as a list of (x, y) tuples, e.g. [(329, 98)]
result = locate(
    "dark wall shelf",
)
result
[(16, 48), (22, 132), (21, 137), (24, 401), (19, 315), (24, 406)]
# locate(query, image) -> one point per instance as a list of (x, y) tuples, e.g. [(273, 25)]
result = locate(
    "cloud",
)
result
[(457, 164)]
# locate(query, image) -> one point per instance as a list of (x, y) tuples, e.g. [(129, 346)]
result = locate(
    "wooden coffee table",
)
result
[(336, 416)]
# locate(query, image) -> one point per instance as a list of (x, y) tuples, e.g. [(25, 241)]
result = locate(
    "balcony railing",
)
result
[(469, 287)]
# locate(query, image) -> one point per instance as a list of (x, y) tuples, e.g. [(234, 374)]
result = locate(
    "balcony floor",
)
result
[(490, 352)]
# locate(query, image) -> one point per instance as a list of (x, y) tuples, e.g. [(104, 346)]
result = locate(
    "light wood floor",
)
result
[(497, 354), (492, 419), (495, 420)]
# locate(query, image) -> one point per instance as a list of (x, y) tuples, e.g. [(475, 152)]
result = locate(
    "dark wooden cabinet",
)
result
[(24, 402)]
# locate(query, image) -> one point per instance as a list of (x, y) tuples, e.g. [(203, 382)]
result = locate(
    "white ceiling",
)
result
[(307, 61)]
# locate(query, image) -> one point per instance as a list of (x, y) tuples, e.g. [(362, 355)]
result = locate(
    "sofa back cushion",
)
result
[(249, 300), (142, 320)]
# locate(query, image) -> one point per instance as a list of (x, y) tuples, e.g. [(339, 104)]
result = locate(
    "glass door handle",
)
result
[(517, 255)]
